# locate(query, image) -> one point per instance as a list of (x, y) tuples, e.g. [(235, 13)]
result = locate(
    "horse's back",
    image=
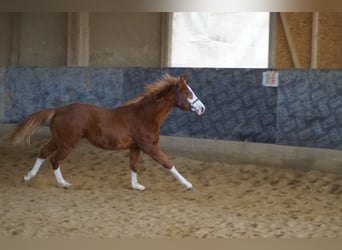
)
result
[(76, 118), (76, 111)]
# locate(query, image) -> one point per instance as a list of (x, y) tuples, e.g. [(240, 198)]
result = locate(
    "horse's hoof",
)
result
[(26, 178), (139, 187), (64, 185), (191, 189)]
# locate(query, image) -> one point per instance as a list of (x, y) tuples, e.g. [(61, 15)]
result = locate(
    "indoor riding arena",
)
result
[(264, 159)]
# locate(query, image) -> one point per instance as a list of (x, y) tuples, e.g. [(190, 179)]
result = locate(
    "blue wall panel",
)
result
[(305, 110), (310, 109), (33, 88)]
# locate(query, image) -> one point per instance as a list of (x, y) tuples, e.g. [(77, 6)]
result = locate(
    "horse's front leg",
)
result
[(134, 156), (155, 152)]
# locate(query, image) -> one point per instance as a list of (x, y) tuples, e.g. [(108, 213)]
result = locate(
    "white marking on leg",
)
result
[(33, 172), (135, 183), (60, 179), (180, 178)]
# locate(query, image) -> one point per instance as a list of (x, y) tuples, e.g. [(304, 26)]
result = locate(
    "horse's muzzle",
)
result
[(197, 106)]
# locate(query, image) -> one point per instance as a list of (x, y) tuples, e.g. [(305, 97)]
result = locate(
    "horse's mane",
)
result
[(153, 89)]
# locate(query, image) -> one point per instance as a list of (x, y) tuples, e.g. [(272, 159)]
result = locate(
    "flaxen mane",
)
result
[(154, 89)]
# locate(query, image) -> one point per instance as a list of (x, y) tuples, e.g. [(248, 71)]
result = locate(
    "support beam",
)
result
[(290, 41), (78, 39), (314, 41)]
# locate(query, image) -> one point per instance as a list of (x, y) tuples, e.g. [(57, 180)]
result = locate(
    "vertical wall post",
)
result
[(272, 40), (78, 39), (15, 39), (314, 41), (166, 39)]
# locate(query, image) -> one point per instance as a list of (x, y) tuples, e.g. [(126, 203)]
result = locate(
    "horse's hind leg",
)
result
[(134, 156), (45, 152)]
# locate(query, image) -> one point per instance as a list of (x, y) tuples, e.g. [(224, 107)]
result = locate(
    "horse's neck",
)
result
[(163, 111), (161, 108)]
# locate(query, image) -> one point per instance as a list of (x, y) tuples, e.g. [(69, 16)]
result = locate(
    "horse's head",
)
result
[(186, 98)]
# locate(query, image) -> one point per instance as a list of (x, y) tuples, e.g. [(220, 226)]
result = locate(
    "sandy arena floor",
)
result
[(230, 201)]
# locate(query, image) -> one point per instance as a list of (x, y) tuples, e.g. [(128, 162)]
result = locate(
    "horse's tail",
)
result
[(28, 127)]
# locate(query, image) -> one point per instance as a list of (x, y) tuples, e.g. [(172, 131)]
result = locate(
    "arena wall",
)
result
[(261, 154), (305, 110)]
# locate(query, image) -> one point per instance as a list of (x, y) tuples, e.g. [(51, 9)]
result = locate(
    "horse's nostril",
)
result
[(202, 109)]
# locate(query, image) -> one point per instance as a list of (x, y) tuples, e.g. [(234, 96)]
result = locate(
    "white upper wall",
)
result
[(232, 40)]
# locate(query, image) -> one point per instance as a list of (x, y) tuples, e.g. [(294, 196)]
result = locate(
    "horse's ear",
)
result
[(181, 81)]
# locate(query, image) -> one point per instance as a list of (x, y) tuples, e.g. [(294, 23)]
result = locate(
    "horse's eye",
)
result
[(188, 93)]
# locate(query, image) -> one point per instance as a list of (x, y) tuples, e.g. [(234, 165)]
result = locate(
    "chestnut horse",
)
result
[(135, 126)]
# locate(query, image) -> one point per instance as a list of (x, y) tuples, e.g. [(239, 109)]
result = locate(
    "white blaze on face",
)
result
[(195, 103)]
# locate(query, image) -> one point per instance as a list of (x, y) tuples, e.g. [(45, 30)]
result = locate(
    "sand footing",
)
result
[(230, 201)]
